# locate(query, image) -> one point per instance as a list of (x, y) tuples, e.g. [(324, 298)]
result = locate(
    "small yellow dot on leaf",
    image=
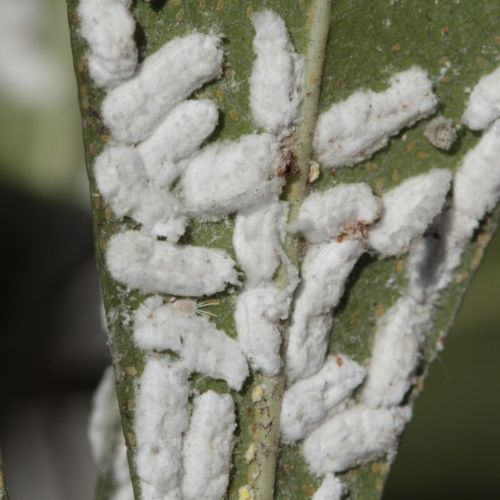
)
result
[(379, 185), (411, 146), (180, 15), (245, 493), (379, 310), (131, 370), (400, 266)]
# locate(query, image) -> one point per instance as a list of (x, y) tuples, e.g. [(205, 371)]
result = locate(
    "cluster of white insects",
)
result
[(157, 171)]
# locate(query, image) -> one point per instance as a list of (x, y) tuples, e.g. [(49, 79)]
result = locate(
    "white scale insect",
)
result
[(137, 110)]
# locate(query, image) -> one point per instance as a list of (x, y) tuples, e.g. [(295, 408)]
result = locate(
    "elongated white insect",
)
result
[(325, 269), (277, 73), (108, 27), (258, 312), (354, 437), (141, 262), (483, 107), (133, 110), (161, 418), (176, 138), (408, 210), (228, 176), (206, 454), (308, 402), (396, 353), (258, 237), (352, 130), (346, 208)]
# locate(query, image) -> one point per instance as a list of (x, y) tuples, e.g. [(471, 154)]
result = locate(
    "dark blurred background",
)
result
[(52, 345)]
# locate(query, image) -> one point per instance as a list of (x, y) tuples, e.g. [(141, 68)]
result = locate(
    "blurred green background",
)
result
[(52, 349)]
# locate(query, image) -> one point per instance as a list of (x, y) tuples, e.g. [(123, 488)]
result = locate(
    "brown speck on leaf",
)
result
[(340, 83), (131, 370), (400, 266), (379, 310), (371, 167), (219, 6), (351, 231), (352, 474), (411, 146), (396, 47), (445, 30), (483, 239), (481, 62), (444, 61), (379, 185), (180, 15), (309, 489), (314, 172), (379, 485), (131, 438), (422, 155)]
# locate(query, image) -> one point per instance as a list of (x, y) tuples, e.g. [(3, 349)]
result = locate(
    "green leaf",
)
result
[(348, 44)]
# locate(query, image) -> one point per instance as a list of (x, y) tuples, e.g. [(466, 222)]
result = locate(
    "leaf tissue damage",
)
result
[(235, 319)]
